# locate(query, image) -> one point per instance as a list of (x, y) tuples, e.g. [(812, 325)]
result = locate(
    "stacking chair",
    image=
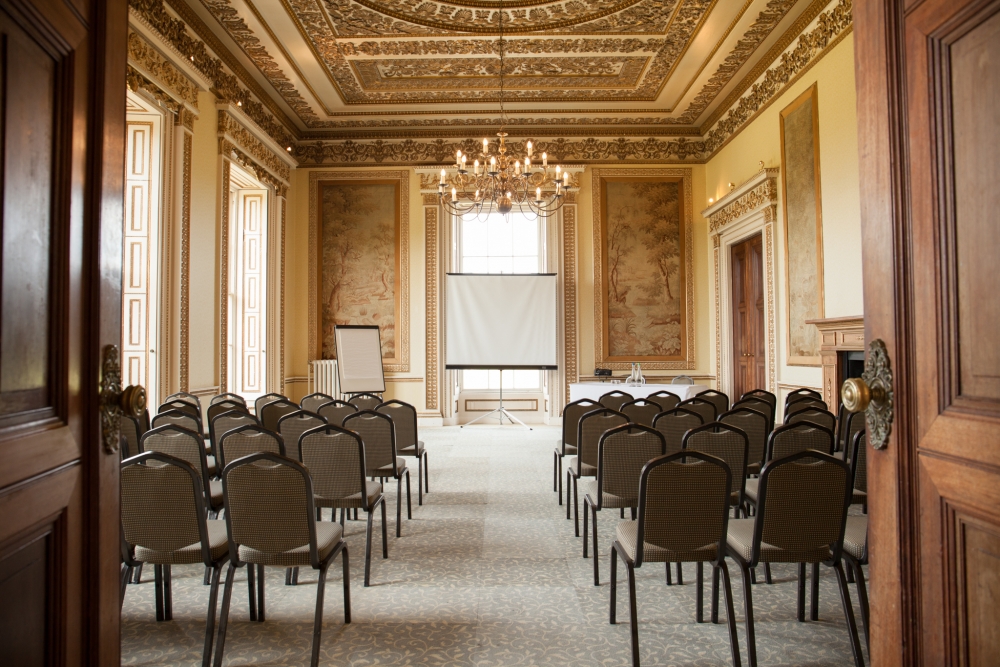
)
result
[(163, 523), (760, 405), (665, 399), (312, 402), (801, 517), (132, 430), (683, 517), (404, 420), (335, 458), (270, 413), (856, 555), (804, 403), (188, 446), (729, 444), (192, 423), (705, 409), (186, 397), (859, 471), (788, 440), (754, 424), (179, 405), (225, 422), (614, 399), (271, 521), (848, 426), (381, 460), (591, 427), (216, 409), (802, 393), (622, 452), (259, 404), (291, 427), (567, 443), (228, 397), (336, 412), (682, 379), (641, 411), (817, 416), (673, 424), (249, 439), (365, 401), (716, 398), (761, 394)]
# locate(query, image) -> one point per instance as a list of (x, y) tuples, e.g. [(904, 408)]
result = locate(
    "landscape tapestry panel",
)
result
[(644, 269), (803, 227), (359, 260)]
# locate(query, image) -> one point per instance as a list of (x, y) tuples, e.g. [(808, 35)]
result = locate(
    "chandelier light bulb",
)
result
[(486, 146), (545, 160), (493, 164), (527, 163), (538, 194), (475, 169), (454, 194), (517, 168), (444, 177), (529, 149)]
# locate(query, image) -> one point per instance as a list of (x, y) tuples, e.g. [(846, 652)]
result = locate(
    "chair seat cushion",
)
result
[(753, 468), (413, 450), (589, 487), (218, 546), (740, 541), (386, 471), (213, 468), (373, 490), (751, 489), (626, 532), (585, 470), (856, 537), (328, 536), (216, 486)]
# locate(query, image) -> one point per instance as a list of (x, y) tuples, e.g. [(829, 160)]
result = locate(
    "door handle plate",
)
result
[(114, 401), (872, 394)]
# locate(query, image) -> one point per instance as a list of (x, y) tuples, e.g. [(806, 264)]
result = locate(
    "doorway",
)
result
[(749, 367)]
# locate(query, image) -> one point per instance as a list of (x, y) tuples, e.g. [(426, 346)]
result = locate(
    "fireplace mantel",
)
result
[(837, 334)]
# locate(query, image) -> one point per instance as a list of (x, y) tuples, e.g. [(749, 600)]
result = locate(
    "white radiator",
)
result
[(323, 377)]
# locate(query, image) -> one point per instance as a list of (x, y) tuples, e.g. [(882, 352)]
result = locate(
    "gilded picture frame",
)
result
[(643, 276), (802, 207), (356, 240)]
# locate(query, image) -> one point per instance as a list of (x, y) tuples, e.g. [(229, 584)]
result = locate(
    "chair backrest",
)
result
[(592, 426), (221, 407), (760, 405), (684, 506), (259, 404), (270, 413), (365, 401), (673, 424), (186, 397), (379, 435), (761, 394), (291, 427), (177, 418), (802, 508), (804, 403), (614, 399), (705, 409), (814, 416), (798, 394), (794, 438), (850, 424), (622, 453), (859, 466), (269, 506), (641, 411), (716, 398), (571, 420), (181, 443), (336, 412), (181, 406), (682, 379), (132, 430), (228, 397), (335, 458), (665, 399), (755, 425), (162, 504), (312, 402), (725, 442), (246, 440), (404, 421), (228, 421)]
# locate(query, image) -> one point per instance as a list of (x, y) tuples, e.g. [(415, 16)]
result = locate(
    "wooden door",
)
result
[(928, 77), (61, 177), (748, 316)]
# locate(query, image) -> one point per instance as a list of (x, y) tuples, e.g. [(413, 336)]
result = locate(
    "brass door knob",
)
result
[(116, 401), (132, 400), (872, 394)]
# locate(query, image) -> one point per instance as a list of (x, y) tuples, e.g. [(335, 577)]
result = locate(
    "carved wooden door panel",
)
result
[(61, 180), (748, 316), (929, 131)]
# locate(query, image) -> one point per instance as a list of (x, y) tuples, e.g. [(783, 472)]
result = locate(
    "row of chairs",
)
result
[(618, 454)]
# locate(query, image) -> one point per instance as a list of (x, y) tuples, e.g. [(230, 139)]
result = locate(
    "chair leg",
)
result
[(227, 596), (251, 585), (555, 468), (586, 506), (420, 474), (368, 548), (802, 593), (399, 504), (427, 477), (767, 573), (158, 584), (680, 575), (859, 578), (168, 594), (409, 505), (670, 579), (288, 576), (593, 527), (850, 575), (260, 593), (576, 508), (633, 612), (208, 577), (318, 621), (213, 600), (814, 601), (734, 641), (715, 595), (558, 463), (613, 555), (568, 484), (347, 584), (699, 614), (385, 531), (295, 576), (138, 574), (126, 574), (621, 512), (748, 602), (852, 628)]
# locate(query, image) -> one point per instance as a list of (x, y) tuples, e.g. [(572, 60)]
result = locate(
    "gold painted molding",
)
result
[(185, 314), (431, 287), (224, 281), (760, 191), (164, 74), (571, 359), (233, 130)]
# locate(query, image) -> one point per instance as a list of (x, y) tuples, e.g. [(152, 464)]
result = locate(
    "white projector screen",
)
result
[(359, 359), (500, 320)]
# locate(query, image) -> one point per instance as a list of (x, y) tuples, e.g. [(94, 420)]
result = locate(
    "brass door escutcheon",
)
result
[(872, 394), (114, 400)]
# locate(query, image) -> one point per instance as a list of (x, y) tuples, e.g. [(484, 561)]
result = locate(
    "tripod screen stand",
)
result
[(500, 412)]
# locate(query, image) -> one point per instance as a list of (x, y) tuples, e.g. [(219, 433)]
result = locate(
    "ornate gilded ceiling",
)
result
[(370, 69)]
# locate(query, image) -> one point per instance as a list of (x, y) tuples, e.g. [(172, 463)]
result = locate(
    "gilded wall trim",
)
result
[(185, 314), (283, 203), (762, 196), (224, 281), (232, 129), (160, 71), (571, 357), (431, 276)]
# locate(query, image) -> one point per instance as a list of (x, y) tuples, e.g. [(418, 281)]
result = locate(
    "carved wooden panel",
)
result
[(978, 578)]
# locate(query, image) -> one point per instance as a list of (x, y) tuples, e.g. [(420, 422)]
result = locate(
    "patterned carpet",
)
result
[(487, 573)]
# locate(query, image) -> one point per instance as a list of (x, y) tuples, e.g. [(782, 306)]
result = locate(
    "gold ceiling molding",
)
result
[(160, 71), (226, 86), (233, 130), (831, 27)]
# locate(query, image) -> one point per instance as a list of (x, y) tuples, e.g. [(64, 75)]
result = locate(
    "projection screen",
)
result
[(500, 321)]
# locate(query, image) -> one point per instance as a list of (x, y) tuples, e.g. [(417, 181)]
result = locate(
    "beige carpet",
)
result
[(488, 572)]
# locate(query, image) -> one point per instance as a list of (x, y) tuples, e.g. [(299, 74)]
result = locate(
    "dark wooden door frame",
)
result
[(751, 279)]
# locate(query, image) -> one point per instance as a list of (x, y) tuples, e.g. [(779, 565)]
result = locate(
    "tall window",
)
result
[(501, 244)]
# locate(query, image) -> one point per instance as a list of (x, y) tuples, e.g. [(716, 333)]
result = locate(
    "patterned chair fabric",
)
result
[(270, 413), (664, 399), (186, 397), (228, 421), (379, 435), (365, 401), (615, 399), (249, 439), (259, 404), (188, 446), (404, 420), (794, 438), (335, 458), (132, 430), (592, 426), (572, 414), (727, 443), (760, 405), (799, 394), (856, 538), (181, 406), (291, 427), (673, 424), (849, 426), (228, 397), (641, 411), (754, 424), (705, 409), (336, 412), (177, 418), (804, 403), (763, 395), (312, 402), (859, 468), (221, 407), (716, 398), (816, 416)]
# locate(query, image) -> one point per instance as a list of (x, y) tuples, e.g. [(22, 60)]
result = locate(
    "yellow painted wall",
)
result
[(760, 141)]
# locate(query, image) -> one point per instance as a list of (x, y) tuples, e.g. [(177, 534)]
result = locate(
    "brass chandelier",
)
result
[(499, 181)]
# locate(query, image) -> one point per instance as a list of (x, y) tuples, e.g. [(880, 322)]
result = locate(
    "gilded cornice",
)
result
[(760, 192), (233, 152), (231, 129), (160, 71), (136, 80)]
